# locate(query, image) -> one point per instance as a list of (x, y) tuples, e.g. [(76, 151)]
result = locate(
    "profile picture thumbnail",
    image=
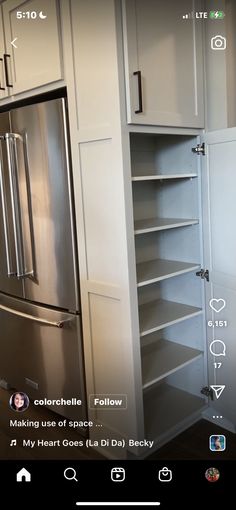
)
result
[(19, 401), (212, 474)]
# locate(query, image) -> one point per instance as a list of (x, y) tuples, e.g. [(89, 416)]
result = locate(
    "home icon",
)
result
[(23, 476)]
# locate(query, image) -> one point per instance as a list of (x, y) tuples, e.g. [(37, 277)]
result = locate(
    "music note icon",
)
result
[(13, 442)]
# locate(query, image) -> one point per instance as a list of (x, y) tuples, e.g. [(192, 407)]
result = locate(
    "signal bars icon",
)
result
[(188, 16)]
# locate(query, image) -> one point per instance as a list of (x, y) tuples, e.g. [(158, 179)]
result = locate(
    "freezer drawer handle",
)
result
[(56, 324)]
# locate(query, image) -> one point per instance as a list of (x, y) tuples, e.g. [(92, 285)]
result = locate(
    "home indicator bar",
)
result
[(117, 503)]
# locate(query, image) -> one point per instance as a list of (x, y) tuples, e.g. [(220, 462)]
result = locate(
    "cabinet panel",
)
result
[(167, 50), (36, 60), (95, 66), (220, 252), (3, 89), (99, 176), (103, 189)]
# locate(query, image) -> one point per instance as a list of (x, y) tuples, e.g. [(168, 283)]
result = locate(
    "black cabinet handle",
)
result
[(2, 88), (140, 99), (5, 56)]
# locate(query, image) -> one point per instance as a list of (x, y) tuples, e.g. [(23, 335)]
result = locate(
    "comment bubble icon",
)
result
[(217, 348)]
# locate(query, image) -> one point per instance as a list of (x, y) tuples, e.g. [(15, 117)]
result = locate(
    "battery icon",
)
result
[(217, 14)]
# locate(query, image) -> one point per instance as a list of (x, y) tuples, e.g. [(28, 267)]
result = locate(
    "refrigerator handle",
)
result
[(11, 141), (10, 271)]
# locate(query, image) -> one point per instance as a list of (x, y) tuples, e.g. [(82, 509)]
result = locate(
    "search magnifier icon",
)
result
[(70, 474)]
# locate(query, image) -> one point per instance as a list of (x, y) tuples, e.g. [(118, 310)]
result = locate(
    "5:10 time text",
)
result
[(30, 15)]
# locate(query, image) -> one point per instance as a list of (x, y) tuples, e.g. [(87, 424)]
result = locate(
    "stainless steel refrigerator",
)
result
[(41, 349)]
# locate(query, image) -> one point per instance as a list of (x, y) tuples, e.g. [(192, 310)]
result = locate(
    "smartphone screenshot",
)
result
[(117, 253)]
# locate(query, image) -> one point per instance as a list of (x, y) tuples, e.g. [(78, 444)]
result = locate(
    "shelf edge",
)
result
[(172, 371), (170, 323), (168, 275)]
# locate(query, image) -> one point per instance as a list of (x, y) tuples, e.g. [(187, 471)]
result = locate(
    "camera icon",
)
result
[(218, 42)]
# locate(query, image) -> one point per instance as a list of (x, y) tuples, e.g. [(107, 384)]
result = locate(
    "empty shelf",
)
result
[(165, 407), (165, 358), (159, 314), (153, 224), (155, 270), (161, 177)]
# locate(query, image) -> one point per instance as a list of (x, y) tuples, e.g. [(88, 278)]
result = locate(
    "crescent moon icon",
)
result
[(41, 15)]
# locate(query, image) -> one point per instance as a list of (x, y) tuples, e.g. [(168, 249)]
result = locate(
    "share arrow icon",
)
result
[(218, 389)]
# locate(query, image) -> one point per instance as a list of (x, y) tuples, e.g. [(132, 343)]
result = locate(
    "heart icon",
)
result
[(217, 304)]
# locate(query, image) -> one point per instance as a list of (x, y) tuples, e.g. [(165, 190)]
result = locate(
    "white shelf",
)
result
[(154, 224), (159, 314), (156, 270), (161, 177), (165, 407), (163, 359)]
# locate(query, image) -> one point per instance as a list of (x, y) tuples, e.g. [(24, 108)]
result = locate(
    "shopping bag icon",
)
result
[(165, 475)]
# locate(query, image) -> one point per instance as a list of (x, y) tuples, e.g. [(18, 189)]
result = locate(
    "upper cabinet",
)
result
[(35, 60), (3, 89), (163, 63)]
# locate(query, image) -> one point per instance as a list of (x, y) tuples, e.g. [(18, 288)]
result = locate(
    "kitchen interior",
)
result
[(105, 108)]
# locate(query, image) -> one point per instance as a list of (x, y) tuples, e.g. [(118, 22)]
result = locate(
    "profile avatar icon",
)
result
[(19, 401), (212, 474)]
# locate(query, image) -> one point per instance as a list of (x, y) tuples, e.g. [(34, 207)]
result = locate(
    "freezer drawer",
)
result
[(41, 354)]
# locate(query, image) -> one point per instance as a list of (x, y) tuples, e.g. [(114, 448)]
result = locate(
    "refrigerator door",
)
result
[(41, 354), (40, 159), (8, 281)]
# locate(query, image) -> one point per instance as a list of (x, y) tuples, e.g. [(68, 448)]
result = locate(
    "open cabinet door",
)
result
[(219, 234)]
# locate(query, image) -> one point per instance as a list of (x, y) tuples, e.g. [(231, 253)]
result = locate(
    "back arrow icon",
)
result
[(12, 42)]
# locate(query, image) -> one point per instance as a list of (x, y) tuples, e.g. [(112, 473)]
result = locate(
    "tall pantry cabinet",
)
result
[(148, 230)]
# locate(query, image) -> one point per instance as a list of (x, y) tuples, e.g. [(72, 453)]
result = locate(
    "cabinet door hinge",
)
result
[(199, 149), (208, 392), (203, 273)]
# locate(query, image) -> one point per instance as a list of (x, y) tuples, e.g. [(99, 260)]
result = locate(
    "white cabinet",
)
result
[(219, 209), (141, 197), (3, 88), (164, 63), (37, 58), (170, 182)]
